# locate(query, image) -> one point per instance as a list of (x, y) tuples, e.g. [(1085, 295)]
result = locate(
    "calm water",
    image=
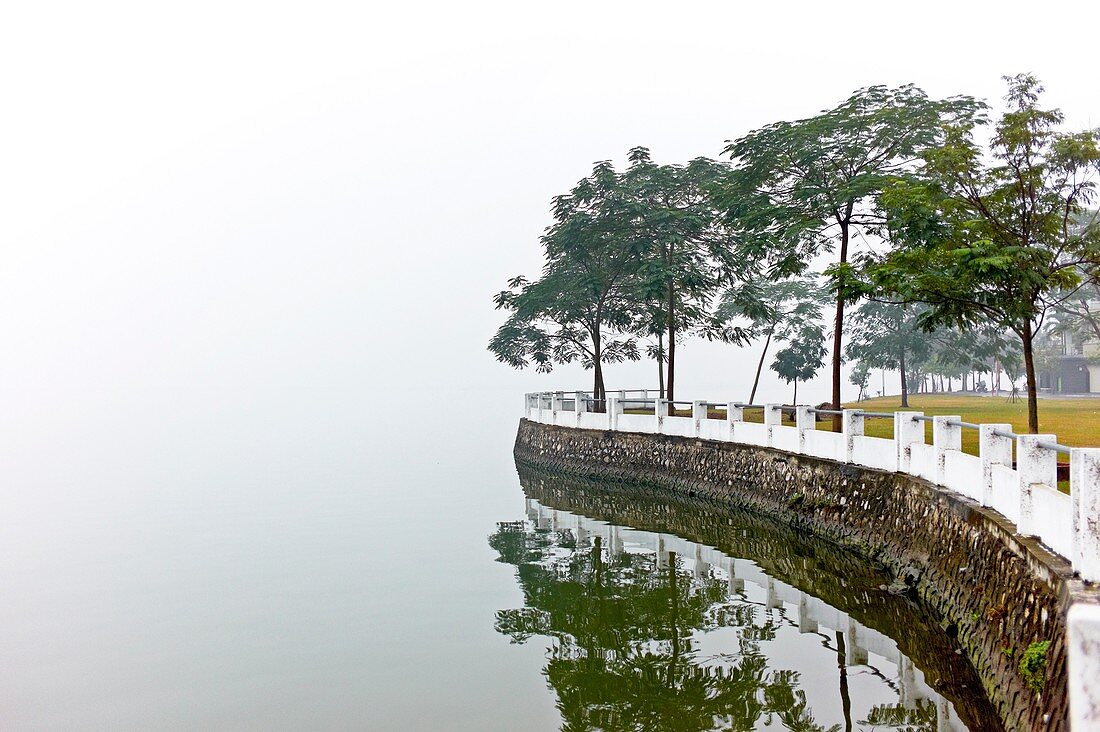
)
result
[(306, 566)]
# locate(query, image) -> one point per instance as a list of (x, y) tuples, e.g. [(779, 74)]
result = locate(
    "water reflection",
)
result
[(651, 631)]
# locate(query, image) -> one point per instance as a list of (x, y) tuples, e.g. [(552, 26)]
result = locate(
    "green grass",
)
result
[(1076, 422)]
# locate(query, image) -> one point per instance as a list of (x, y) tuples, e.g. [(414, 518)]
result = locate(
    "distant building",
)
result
[(1070, 371)]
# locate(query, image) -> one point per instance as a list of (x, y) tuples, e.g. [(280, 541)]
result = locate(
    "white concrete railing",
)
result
[(1026, 493)]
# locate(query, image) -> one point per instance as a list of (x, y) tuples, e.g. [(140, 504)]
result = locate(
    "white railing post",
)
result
[(907, 430), (580, 405), (1035, 466), (527, 405), (734, 414), (945, 437), (803, 420), (773, 417), (698, 414), (660, 411), (645, 393), (851, 427), (1084, 490), (1083, 643), (993, 450), (614, 409), (555, 406)]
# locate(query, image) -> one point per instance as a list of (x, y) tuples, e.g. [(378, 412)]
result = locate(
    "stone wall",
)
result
[(996, 592)]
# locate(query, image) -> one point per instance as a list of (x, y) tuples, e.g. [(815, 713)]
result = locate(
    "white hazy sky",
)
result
[(217, 210)]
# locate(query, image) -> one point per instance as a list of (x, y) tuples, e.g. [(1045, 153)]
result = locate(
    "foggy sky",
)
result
[(217, 212)]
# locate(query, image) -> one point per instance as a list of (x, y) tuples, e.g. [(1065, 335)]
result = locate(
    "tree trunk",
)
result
[(838, 322), (904, 382), (661, 365), (845, 697), (671, 346), (1028, 337), (794, 399), (597, 372), (760, 364)]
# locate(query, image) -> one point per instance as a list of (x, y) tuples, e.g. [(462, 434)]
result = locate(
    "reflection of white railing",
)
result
[(1024, 491), (863, 646)]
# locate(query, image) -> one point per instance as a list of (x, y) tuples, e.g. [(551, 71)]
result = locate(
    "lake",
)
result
[(342, 572)]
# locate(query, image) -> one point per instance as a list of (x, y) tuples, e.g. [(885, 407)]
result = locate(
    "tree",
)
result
[(860, 376), (1007, 243), (802, 358), (624, 655), (887, 335), (687, 252), (804, 188), (586, 293), (776, 311)]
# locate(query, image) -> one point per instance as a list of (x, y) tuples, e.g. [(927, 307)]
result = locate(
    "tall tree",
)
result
[(687, 248), (805, 188), (776, 311), (581, 309), (1009, 246)]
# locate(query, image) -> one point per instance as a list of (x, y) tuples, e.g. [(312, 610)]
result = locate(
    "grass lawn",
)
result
[(1076, 422)]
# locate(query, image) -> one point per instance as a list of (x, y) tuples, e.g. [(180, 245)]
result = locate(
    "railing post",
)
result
[(907, 430), (555, 406), (734, 414), (773, 417), (803, 420), (527, 405), (851, 427), (698, 413), (614, 409), (660, 410), (1083, 643), (580, 405), (993, 450), (1084, 490), (1035, 466), (945, 437)]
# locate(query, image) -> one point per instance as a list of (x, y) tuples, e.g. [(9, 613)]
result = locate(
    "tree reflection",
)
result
[(624, 629)]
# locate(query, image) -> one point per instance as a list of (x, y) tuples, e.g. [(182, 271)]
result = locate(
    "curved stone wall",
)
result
[(996, 592)]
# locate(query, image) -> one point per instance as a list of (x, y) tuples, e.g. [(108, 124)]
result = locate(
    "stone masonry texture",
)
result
[(992, 590)]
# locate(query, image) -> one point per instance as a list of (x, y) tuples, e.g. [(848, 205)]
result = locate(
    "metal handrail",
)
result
[(547, 397), (966, 425)]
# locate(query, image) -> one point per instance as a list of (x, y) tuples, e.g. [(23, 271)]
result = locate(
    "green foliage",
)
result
[(1033, 664), (804, 188), (997, 236), (586, 293), (624, 649), (802, 358), (777, 311)]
